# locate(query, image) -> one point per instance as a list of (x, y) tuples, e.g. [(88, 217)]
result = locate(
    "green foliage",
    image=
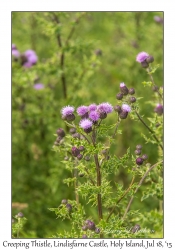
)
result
[(17, 226), (82, 58)]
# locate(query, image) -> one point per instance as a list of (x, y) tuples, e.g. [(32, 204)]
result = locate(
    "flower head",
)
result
[(38, 86), (105, 107), (123, 88), (94, 116), (14, 47), (15, 53), (75, 151), (159, 109), (68, 110), (122, 84), (31, 58), (158, 19), (126, 107), (141, 57), (139, 161), (85, 124), (92, 107), (82, 110)]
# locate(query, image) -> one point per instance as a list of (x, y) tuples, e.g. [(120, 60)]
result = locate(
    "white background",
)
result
[(5, 94)]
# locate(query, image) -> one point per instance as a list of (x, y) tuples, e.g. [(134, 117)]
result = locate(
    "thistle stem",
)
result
[(152, 80), (76, 185), (150, 130), (140, 183), (99, 199)]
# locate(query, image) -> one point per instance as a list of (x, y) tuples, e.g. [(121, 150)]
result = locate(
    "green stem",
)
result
[(99, 199), (140, 183), (150, 130), (18, 228), (76, 184), (152, 80), (121, 198)]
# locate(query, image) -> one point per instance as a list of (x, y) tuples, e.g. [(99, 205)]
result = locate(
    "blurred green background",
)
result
[(100, 55)]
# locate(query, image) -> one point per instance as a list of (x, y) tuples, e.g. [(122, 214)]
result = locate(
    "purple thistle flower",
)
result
[(159, 109), (122, 84), (94, 116), (15, 53), (82, 110), (92, 107), (105, 107), (14, 47), (31, 58), (141, 57), (126, 108), (68, 110), (85, 124), (38, 86), (123, 88), (158, 19)]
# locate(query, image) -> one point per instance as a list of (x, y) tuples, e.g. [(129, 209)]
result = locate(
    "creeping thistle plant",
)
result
[(86, 152)]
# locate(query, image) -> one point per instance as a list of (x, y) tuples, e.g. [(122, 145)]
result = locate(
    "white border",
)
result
[(5, 93)]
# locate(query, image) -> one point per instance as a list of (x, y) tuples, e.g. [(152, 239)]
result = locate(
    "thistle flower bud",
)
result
[(117, 108), (98, 52), (87, 221), (75, 151), (72, 130), (139, 147), (91, 225), (79, 157), (87, 158), (81, 148), (144, 157), (131, 91), (69, 207), (123, 89), (64, 201), (139, 161), (119, 96), (60, 132), (144, 64), (132, 99), (123, 114), (150, 59), (97, 230), (76, 135), (20, 215), (102, 115), (70, 117), (137, 152), (159, 109)]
